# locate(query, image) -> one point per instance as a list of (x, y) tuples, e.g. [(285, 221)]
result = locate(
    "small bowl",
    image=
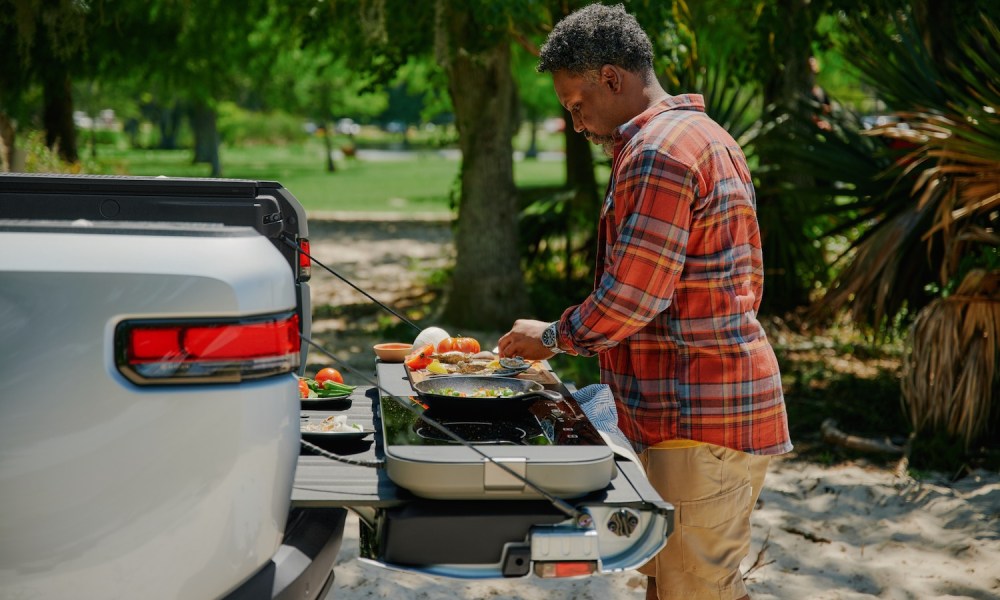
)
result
[(392, 352)]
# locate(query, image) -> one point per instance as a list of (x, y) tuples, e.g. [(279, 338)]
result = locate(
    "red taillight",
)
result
[(305, 263), (578, 568), (207, 350)]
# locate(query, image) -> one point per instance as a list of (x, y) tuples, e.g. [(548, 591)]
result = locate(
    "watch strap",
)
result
[(550, 337)]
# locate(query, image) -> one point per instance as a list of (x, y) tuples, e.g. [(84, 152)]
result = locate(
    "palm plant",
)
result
[(928, 251)]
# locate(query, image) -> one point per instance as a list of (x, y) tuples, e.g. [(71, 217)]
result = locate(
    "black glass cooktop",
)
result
[(542, 422)]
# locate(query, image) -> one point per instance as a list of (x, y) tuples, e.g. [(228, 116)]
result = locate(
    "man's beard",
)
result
[(606, 142)]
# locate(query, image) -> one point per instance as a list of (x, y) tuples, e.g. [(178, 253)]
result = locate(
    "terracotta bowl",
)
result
[(392, 351)]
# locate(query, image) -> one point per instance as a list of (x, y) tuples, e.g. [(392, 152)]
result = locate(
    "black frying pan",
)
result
[(523, 390)]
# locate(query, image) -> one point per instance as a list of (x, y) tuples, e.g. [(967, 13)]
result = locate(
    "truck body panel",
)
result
[(135, 490)]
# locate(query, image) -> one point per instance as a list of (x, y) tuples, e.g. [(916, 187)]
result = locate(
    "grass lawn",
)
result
[(420, 183)]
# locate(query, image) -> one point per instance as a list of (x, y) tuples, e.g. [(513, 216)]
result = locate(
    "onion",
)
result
[(431, 335)]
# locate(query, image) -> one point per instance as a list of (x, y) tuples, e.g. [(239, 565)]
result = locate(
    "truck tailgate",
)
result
[(622, 525)]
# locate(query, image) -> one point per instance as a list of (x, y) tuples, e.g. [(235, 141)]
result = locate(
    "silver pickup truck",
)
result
[(151, 333)]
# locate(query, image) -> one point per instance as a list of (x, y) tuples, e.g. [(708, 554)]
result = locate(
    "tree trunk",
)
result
[(328, 143), (579, 160), (586, 201), (206, 137), (60, 132), (169, 123), (487, 289), (93, 137), (7, 140), (532, 151)]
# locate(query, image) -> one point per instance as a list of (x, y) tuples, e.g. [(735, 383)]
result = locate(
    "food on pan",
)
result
[(437, 368), (481, 392), (464, 363)]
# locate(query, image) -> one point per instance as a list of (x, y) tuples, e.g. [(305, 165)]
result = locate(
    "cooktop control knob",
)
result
[(623, 522)]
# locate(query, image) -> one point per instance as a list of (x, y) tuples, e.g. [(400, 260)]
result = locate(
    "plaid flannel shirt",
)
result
[(678, 286)]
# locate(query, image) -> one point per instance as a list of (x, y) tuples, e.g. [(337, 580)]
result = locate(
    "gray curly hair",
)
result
[(594, 36)]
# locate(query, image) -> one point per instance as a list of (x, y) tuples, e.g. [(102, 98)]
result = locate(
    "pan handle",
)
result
[(550, 394)]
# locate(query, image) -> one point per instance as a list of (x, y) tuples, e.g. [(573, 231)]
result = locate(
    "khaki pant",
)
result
[(713, 490)]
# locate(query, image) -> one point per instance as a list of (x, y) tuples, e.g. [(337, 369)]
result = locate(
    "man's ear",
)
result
[(611, 77)]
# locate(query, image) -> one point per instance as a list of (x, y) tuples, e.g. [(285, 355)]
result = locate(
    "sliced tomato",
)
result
[(421, 358), (303, 388)]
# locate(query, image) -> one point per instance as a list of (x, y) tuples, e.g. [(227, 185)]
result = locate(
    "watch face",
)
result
[(549, 337)]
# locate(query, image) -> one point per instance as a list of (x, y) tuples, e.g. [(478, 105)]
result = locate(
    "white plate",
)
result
[(337, 435)]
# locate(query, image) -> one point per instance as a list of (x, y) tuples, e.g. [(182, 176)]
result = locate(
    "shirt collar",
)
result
[(627, 131)]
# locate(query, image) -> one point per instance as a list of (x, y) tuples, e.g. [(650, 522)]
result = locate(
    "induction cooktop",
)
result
[(551, 443)]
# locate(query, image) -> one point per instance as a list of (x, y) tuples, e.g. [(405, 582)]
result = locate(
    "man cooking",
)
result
[(672, 317)]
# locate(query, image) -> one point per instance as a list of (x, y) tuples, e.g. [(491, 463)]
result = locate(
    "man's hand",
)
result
[(525, 340)]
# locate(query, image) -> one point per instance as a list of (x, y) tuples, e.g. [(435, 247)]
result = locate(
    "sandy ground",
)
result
[(842, 532), (823, 533)]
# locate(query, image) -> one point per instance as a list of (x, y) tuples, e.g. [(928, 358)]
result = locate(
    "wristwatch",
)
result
[(550, 338)]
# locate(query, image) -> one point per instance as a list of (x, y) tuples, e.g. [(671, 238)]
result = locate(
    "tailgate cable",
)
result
[(581, 518), (291, 242), (375, 464)]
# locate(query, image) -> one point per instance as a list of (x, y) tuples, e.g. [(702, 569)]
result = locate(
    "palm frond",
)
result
[(923, 198), (902, 71), (950, 377), (730, 102)]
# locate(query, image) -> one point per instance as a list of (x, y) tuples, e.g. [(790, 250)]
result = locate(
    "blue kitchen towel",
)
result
[(599, 406)]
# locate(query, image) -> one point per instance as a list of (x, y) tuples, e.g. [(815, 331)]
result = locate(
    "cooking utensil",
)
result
[(429, 392)]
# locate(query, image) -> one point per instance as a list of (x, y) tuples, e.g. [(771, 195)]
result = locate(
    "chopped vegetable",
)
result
[(482, 392), (326, 389), (421, 358)]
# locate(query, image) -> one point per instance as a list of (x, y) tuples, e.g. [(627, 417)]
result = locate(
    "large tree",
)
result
[(189, 53), (474, 48), (42, 44), (470, 41), (313, 80), (210, 60)]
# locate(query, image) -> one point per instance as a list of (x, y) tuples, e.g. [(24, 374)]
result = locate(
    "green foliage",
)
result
[(817, 388), (41, 159), (422, 79), (421, 184), (239, 127), (535, 90), (916, 213), (578, 370), (101, 137), (937, 451)]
